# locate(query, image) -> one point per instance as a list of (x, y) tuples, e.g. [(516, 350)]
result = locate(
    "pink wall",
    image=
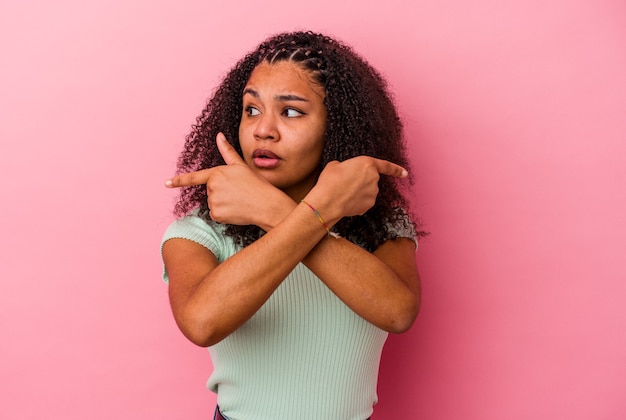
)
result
[(516, 115)]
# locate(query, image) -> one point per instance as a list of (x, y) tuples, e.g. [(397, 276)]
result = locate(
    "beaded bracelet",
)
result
[(319, 216)]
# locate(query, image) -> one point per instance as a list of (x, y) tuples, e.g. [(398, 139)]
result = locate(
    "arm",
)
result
[(382, 287), (210, 300)]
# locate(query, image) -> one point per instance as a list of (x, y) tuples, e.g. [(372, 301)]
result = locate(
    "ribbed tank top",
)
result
[(303, 355)]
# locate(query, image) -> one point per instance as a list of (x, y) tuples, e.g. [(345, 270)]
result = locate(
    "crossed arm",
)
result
[(211, 300)]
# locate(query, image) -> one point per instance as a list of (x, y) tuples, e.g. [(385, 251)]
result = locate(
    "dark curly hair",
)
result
[(361, 120)]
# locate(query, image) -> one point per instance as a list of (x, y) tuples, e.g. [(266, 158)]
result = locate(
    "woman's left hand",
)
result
[(350, 188)]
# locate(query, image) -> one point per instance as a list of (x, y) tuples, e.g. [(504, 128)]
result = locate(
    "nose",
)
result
[(266, 128)]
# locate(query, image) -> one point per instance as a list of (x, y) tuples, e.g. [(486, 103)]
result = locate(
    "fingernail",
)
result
[(405, 173), (168, 183)]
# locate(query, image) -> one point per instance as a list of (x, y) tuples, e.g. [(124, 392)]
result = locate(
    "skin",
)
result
[(211, 300), (284, 113)]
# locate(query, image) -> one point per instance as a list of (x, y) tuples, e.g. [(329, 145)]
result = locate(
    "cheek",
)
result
[(314, 152), (244, 136), (319, 143), (242, 130)]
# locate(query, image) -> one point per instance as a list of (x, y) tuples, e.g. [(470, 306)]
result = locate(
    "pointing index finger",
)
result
[(189, 179), (388, 168)]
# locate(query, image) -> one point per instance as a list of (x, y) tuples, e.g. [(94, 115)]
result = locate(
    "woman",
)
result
[(293, 257)]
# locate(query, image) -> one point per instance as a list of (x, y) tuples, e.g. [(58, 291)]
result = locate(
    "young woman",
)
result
[(294, 255)]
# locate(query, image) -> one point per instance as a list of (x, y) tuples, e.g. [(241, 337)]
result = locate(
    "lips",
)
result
[(265, 159)]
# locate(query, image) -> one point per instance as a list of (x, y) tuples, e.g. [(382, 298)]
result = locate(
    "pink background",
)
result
[(516, 114)]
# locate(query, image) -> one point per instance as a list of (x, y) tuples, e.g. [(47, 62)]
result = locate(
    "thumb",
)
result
[(230, 155)]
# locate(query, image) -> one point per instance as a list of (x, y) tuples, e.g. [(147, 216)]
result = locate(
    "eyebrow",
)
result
[(281, 98)]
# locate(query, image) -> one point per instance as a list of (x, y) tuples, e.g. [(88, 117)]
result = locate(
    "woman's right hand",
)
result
[(237, 195)]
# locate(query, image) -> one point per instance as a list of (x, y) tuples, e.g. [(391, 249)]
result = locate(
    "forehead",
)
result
[(284, 77)]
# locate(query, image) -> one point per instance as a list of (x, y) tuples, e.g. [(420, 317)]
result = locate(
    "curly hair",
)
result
[(361, 120)]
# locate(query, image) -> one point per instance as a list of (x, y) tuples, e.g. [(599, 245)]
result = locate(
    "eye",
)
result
[(292, 113), (251, 111)]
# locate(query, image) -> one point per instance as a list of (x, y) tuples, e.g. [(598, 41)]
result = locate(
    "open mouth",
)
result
[(264, 158)]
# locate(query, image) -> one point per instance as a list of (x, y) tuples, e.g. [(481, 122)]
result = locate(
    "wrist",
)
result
[(278, 209), (321, 220), (323, 207)]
